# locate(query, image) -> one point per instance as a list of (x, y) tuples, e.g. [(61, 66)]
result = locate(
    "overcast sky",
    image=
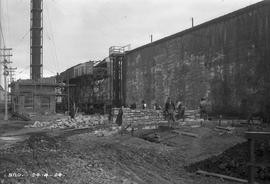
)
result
[(76, 31)]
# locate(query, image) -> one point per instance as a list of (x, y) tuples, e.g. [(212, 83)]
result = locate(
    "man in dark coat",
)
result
[(133, 106), (180, 108), (169, 110), (203, 109), (119, 119)]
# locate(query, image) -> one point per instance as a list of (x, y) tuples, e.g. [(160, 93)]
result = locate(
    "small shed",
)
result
[(30, 96)]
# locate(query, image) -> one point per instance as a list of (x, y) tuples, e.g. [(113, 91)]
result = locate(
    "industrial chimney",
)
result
[(36, 39)]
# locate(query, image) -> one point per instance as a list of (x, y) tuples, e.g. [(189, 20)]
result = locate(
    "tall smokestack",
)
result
[(36, 39)]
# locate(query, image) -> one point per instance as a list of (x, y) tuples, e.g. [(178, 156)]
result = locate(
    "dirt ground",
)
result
[(80, 156)]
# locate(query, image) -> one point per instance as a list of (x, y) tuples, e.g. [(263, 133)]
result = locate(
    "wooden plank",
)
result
[(251, 169), (221, 176), (186, 133), (224, 128), (169, 137), (254, 164), (257, 135)]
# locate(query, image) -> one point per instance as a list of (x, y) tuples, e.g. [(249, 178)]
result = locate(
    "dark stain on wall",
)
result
[(225, 60)]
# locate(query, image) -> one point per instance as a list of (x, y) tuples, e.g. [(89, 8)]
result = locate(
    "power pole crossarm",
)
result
[(5, 60)]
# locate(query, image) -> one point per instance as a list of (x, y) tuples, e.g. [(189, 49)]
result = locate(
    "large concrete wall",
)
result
[(226, 60)]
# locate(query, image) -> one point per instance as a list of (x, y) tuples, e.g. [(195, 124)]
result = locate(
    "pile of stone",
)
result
[(138, 117), (192, 115), (81, 121)]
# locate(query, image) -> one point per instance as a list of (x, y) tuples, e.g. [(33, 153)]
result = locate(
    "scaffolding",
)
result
[(117, 75)]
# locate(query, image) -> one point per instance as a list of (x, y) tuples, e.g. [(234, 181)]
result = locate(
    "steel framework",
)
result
[(117, 91)]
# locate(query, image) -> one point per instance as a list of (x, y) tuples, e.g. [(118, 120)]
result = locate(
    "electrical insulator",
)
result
[(6, 73)]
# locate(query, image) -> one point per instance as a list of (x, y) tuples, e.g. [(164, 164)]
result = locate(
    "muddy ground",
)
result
[(83, 157), (234, 161)]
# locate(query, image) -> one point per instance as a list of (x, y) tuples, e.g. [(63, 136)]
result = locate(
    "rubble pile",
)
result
[(140, 116), (81, 121)]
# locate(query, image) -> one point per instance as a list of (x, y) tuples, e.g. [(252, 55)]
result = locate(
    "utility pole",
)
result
[(6, 60), (11, 74), (68, 99), (151, 36), (192, 21), (2, 42)]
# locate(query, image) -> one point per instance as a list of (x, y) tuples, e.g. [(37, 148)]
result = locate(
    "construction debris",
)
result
[(78, 122), (221, 176), (21, 116)]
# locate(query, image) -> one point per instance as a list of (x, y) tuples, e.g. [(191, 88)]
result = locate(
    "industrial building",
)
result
[(35, 95), (100, 88), (88, 87), (30, 96), (225, 60)]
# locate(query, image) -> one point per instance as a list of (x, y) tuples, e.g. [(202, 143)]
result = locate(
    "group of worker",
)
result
[(173, 112)]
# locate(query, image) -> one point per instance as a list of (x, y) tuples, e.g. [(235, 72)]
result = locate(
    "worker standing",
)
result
[(157, 106), (143, 104), (119, 117), (180, 108), (133, 105), (169, 111), (203, 111)]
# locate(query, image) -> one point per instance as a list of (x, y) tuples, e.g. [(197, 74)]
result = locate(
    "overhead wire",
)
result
[(2, 34), (100, 30), (47, 34), (51, 36), (7, 18), (51, 71), (4, 30), (22, 39), (24, 69), (51, 50), (1, 27)]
